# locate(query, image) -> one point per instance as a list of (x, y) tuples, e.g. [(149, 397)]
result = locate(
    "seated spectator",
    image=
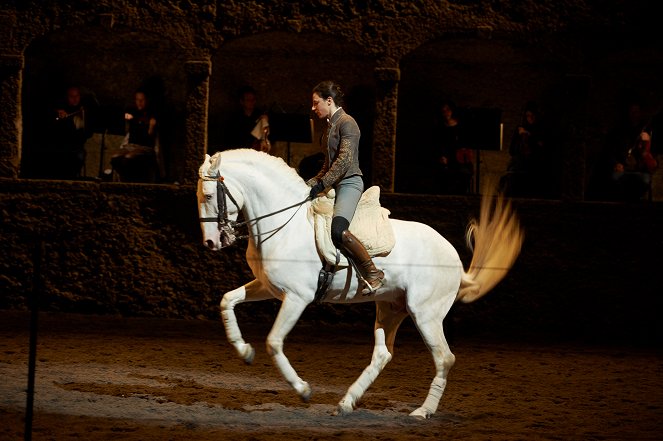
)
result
[(139, 158), (627, 164)]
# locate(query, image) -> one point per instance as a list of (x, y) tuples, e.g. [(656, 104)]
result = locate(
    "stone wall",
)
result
[(396, 58), (587, 270)]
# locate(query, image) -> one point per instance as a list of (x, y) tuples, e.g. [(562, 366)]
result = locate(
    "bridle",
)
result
[(227, 226)]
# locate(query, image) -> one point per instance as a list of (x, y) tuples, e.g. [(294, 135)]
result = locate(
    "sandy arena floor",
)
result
[(103, 378)]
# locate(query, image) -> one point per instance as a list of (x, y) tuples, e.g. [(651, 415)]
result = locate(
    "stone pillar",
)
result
[(11, 123), (197, 111), (384, 131)]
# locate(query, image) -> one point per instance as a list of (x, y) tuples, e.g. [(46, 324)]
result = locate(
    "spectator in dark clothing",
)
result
[(248, 127), (453, 160), (70, 132), (624, 171), (137, 159), (528, 173)]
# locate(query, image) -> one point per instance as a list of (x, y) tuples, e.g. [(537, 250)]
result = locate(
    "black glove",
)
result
[(316, 189)]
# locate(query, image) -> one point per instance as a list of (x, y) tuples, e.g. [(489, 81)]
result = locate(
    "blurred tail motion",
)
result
[(496, 239)]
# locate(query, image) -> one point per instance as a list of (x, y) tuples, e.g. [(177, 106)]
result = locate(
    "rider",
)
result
[(340, 143)]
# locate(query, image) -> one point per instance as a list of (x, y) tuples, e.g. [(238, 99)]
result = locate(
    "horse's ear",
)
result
[(204, 166)]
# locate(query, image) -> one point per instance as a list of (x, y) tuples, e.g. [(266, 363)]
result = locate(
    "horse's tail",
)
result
[(497, 238)]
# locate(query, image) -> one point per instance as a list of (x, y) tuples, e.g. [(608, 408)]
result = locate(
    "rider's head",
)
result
[(327, 97), (329, 89)]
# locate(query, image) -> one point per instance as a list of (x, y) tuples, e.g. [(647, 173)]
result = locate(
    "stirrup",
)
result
[(367, 288), (325, 278), (370, 289)]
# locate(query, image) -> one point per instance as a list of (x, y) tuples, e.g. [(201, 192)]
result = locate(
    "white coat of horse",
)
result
[(424, 275)]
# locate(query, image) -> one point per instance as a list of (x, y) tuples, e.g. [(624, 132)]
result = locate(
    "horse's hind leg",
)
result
[(388, 318), (291, 309), (252, 291), (433, 335)]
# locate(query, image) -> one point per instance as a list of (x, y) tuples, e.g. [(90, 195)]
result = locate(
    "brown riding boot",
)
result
[(363, 263)]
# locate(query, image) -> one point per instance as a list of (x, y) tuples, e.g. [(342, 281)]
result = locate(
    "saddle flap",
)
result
[(370, 225)]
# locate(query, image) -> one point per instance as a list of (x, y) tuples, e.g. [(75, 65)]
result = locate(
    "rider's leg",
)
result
[(348, 192), (354, 250)]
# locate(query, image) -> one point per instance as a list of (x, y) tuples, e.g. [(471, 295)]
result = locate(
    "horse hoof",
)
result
[(342, 410), (420, 414), (249, 354), (305, 393)]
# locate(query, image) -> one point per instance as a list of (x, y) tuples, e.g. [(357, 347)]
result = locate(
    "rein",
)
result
[(228, 225)]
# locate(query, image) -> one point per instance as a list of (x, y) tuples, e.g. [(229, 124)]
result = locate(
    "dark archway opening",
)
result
[(108, 66), (283, 68)]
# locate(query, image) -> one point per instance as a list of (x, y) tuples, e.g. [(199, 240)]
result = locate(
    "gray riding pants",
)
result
[(348, 193)]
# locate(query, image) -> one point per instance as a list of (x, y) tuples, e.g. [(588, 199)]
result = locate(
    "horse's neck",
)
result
[(265, 193)]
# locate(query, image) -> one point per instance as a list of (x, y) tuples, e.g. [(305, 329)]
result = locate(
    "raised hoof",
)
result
[(420, 414)]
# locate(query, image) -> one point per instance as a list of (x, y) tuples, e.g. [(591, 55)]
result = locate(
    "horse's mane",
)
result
[(260, 161)]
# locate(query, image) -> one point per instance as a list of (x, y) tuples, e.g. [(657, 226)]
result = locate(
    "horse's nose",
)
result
[(209, 244)]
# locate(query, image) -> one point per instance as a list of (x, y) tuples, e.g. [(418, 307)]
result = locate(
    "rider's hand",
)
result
[(316, 189)]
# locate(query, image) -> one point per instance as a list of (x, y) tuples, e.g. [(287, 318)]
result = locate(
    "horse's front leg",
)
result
[(291, 309), (251, 292)]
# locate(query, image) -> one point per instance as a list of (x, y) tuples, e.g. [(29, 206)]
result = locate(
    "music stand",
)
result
[(484, 133), (290, 127), (110, 122)]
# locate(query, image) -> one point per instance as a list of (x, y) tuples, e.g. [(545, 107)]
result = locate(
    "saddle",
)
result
[(370, 225)]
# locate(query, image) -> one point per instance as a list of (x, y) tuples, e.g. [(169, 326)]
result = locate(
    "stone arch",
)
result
[(475, 73), (109, 63), (283, 67)]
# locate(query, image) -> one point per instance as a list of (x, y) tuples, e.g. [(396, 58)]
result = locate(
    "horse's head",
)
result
[(217, 207)]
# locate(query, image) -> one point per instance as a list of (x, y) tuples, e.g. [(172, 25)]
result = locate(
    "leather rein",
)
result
[(227, 225)]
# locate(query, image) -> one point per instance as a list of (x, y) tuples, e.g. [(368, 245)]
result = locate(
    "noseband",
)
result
[(227, 226)]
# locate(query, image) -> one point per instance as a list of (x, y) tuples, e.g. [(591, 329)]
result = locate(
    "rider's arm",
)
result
[(341, 164)]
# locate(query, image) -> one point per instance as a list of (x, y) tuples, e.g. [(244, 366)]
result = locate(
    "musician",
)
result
[(248, 126), (137, 158), (71, 131), (629, 160)]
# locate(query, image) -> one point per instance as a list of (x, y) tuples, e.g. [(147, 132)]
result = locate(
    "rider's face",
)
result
[(321, 107)]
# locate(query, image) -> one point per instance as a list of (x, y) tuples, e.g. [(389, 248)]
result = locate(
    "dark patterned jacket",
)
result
[(340, 143)]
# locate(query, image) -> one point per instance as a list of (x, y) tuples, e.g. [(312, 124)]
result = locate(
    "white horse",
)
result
[(424, 275)]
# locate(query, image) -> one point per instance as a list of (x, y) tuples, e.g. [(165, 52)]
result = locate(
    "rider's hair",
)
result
[(327, 89)]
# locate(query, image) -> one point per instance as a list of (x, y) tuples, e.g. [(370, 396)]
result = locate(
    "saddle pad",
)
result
[(370, 225)]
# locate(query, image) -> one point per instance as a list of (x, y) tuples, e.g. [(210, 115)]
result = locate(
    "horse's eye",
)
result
[(208, 197)]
